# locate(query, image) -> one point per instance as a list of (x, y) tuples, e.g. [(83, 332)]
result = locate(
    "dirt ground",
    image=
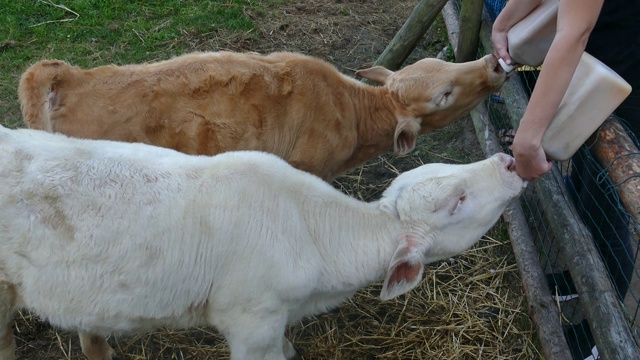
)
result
[(351, 35)]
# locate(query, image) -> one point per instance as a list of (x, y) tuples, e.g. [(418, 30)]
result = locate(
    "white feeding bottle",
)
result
[(594, 92)]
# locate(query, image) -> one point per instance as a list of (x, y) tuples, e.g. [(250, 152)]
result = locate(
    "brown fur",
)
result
[(297, 107)]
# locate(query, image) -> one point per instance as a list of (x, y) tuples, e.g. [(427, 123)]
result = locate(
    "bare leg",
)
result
[(95, 347), (7, 311)]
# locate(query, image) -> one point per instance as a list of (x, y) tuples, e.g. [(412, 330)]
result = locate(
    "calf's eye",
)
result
[(460, 201), (444, 98)]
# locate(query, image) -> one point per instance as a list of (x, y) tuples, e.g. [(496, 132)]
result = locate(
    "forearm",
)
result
[(551, 86), (576, 19), (513, 12)]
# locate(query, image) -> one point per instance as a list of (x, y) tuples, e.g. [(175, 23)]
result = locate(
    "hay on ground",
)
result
[(471, 307)]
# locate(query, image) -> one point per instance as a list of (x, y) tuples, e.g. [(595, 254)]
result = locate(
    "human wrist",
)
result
[(523, 142), (499, 26)]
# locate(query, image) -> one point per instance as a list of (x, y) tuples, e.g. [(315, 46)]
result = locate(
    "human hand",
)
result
[(531, 161), (500, 44)]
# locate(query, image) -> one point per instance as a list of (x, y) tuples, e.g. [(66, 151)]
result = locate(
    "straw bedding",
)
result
[(469, 307)]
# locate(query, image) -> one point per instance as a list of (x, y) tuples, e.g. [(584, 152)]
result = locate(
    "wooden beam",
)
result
[(617, 153), (541, 309), (451, 21), (401, 46), (470, 19), (598, 298)]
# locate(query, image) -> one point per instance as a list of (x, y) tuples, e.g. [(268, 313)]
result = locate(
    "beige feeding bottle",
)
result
[(594, 93)]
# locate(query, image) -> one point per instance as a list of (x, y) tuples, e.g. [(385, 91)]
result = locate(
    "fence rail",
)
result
[(555, 236)]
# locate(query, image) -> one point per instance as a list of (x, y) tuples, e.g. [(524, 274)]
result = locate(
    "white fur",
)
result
[(106, 237)]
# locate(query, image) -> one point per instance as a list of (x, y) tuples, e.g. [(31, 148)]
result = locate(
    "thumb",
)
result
[(500, 50), (549, 165)]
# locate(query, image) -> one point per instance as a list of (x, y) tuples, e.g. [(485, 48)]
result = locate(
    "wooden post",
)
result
[(451, 21), (470, 19), (541, 309), (619, 155), (401, 46), (512, 90), (599, 300)]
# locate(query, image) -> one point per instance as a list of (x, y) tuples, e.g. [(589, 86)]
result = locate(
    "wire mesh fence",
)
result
[(592, 198)]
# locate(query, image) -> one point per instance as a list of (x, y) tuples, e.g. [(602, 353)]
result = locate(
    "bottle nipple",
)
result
[(506, 67)]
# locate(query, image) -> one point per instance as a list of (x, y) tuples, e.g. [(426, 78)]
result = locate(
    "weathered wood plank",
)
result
[(470, 19), (541, 309), (619, 155), (401, 46), (575, 244)]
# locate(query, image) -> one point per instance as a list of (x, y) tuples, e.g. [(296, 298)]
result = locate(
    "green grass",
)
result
[(89, 33)]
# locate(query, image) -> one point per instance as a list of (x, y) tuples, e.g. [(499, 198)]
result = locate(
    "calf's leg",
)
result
[(95, 347), (288, 349), (255, 335)]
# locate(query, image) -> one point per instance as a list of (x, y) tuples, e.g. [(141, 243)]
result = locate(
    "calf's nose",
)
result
[(493, 64), (507, 161)]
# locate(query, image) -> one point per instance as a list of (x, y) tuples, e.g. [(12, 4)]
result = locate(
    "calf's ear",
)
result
[(405, 271), (378, 74), (406, 135)]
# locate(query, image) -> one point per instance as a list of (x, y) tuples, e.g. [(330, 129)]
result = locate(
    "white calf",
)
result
[(106, 237)]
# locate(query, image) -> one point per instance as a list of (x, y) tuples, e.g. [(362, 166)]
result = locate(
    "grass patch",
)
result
[(89, 33)]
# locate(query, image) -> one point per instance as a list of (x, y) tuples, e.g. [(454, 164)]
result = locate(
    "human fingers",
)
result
[(499, 41), (532, 165)]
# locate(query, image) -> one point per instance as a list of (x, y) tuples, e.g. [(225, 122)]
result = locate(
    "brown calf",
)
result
[(297, 107)]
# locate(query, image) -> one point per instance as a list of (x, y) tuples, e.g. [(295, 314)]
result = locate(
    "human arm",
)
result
[(576, 19), (513, 12)]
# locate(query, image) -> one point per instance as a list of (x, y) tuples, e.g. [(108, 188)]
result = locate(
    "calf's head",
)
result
[(431, 93), (445, 210)]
